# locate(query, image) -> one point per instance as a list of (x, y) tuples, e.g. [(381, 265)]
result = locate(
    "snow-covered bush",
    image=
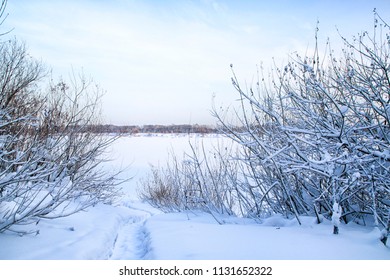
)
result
[(318, 131), (49, 159)]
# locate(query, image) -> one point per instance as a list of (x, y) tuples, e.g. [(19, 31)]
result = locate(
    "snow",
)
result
[(344, 110), (199, 237), (133, 230)]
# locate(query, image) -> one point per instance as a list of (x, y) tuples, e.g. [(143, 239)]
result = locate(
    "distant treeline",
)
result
[(133, 129)]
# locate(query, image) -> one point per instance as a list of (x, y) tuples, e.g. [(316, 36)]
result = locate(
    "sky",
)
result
[(168, 62)]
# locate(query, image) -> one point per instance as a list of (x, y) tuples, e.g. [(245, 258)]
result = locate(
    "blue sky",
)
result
[(162, 62)]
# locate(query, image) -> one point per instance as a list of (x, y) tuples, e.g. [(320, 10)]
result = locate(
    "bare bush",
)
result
[(50, 162), (203, 180)]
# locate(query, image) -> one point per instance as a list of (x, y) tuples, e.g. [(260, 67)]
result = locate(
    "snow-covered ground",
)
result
[(133, 230)]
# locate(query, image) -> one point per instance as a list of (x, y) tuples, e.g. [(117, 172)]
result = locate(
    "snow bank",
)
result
[(86, 235), (197, 236)]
